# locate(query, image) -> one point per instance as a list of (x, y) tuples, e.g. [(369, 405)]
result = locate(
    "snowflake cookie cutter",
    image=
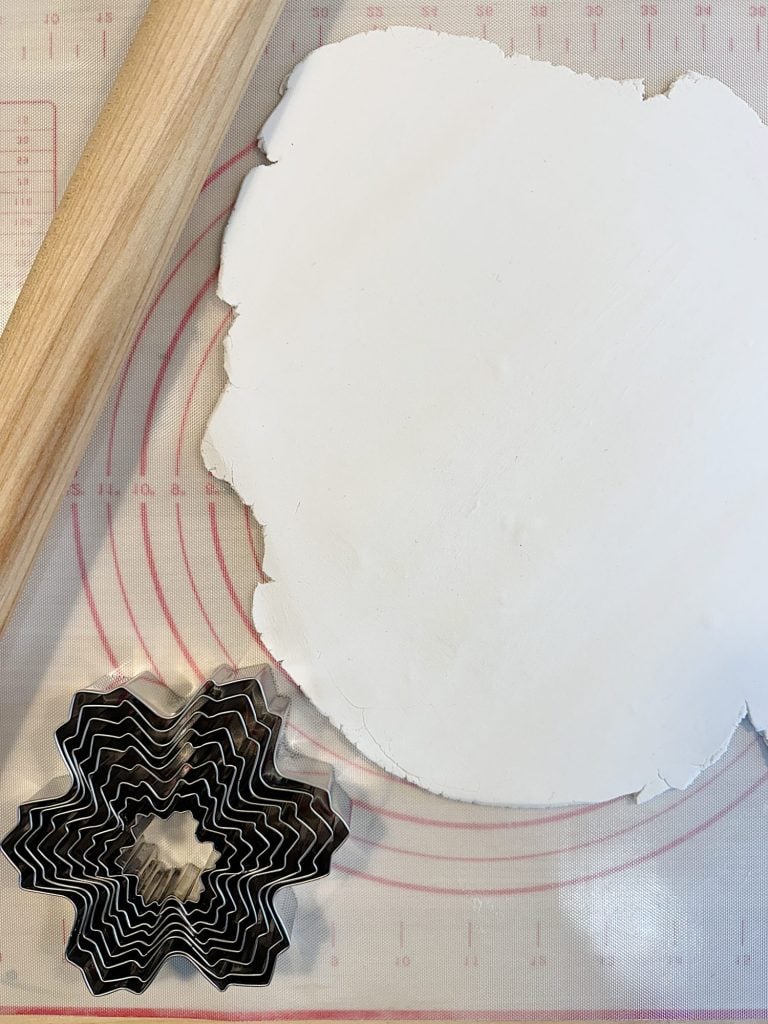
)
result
[(213, 757)]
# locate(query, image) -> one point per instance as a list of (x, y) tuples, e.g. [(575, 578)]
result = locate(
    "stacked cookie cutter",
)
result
[(214, 757)]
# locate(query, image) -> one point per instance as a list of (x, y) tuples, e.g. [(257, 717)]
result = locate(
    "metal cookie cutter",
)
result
[(215, 758)]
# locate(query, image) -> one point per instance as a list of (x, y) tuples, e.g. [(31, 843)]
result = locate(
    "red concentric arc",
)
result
[(226, 320), (142, 330), (124, 595), (196, 593), (161, 596), (247, 621), (189, 312), (523, 890), (86, 585), (689, 794)]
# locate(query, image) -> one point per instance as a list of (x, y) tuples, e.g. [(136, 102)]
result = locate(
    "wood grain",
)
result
[(110, 239)]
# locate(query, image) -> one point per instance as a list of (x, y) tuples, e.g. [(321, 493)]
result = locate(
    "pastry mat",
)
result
[(434, 909)]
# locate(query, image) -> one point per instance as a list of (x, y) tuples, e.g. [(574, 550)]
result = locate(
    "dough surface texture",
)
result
[(498, 397)]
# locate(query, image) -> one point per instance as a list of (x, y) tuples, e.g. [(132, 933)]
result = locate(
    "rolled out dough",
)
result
[(498, 396)]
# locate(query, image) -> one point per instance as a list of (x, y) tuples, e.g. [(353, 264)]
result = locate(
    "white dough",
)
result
[(499, 395)]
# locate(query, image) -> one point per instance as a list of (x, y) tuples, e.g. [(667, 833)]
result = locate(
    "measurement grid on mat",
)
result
[(28, 188)]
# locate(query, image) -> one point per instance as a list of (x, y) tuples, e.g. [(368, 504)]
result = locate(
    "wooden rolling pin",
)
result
[(115, 229)]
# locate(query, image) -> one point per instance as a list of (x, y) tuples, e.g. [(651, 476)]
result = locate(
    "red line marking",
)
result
[(124, 595), (538, 934), (96, 618), (213, 176), (226, 320), (568, 882), (189, 312), (142, 330), (55, 133), (730, 43), (223, 168), (226, 577), (196, 593), (660, 1014), (689, 794), (161, 596), (486, 826), (22, 131), (359, 764)]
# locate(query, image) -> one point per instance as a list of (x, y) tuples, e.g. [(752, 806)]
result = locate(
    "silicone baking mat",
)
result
[(434, 908)]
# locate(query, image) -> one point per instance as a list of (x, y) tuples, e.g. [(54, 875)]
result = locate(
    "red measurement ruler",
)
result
[(28, 188)]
